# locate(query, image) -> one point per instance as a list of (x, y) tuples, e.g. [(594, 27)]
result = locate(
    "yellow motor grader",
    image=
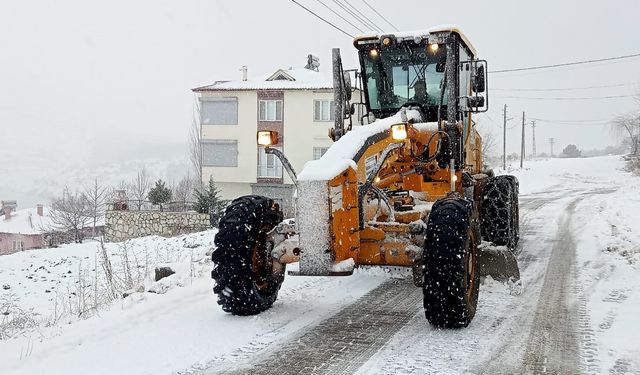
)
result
[(406, 190)]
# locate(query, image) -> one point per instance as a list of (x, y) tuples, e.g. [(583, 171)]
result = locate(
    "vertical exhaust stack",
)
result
[(338, 95)]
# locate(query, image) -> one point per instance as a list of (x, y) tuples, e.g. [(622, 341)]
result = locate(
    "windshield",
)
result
[(402, 74)]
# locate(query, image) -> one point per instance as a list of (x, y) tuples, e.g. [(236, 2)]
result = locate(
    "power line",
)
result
[(363, 15), (582, 123), (332, 25), (569, 98), (353, 15), (340, 15), (577, 121), (575, 124), (568, 88), (381, 16), (566, 64)]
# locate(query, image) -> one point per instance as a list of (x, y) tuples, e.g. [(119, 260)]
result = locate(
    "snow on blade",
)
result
[(340, 155)]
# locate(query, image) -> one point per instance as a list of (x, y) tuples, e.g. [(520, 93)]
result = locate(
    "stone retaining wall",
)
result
[(124, 225)]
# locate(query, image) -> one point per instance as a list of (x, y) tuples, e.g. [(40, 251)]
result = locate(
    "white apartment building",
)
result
[(298, 103)]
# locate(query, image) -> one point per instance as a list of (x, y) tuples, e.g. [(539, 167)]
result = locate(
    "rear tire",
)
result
[(500, 217), (451, 283), (245, 283), (515, 209)]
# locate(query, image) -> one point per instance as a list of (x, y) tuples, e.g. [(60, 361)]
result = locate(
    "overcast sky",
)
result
[(94, 82)]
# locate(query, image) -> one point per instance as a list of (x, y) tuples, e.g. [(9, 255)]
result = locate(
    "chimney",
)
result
[(244, 71), (8, 207), (39, 209)]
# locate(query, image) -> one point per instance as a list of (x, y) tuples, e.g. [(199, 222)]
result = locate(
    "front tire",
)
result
[(245, 283), (451, 284)]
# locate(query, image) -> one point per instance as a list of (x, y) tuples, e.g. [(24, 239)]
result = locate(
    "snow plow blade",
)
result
[(499, 262)]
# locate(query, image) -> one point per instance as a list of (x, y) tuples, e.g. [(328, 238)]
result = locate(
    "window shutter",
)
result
[(220, 153), (278, 110), (332, 110), (223, 111), (263, 110), (316, 110)]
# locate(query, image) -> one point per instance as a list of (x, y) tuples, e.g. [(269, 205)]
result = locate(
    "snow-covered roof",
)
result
[(281, 79), (423, 32), (26, 221)]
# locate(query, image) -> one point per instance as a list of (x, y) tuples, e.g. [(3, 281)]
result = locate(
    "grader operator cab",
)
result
[(408, 190)]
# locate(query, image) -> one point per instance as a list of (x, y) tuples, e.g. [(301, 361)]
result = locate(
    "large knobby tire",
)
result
[(499, 206), (452, 278), (245, 283), (515, 209)]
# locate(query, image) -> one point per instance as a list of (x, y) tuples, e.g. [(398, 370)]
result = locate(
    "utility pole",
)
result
[(533, 145), (522, 143), (551, 142), (504, 139)]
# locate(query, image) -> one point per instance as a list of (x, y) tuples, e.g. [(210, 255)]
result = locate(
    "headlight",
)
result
[(267, 138), (399, 132)]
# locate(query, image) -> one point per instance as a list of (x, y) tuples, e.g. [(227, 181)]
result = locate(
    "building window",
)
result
[(270, 110), (18, 245), (323, 110), (269, 165), (318, 152), (219, 111), (220, 153)]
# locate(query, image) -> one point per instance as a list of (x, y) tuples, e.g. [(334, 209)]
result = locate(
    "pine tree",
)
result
[(160, 193), (208, 200)]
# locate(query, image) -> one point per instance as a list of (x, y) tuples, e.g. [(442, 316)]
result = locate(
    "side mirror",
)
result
[(479, 79), (474, 102)]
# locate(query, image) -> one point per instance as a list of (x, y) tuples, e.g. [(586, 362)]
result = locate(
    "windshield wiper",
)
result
[(420, 74)]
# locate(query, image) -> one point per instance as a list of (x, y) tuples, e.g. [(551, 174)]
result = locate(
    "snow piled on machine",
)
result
[(340, 155)]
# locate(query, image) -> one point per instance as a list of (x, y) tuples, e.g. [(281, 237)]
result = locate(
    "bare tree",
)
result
[(97, 197), (71, 213), (628, 125), (488, 143), (184, 190), (195, 144), (140, 187)]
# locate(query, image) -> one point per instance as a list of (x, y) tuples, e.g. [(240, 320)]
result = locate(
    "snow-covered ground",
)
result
[(176, 326), (606, 226), (73, 325)]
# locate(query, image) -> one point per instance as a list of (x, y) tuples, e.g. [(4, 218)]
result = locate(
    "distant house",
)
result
[(298, 103), (32, 228), (22, 229)]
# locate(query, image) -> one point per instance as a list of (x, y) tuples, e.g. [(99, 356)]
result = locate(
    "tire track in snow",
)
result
[(535, 259), (553, 343), (345, 341)]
